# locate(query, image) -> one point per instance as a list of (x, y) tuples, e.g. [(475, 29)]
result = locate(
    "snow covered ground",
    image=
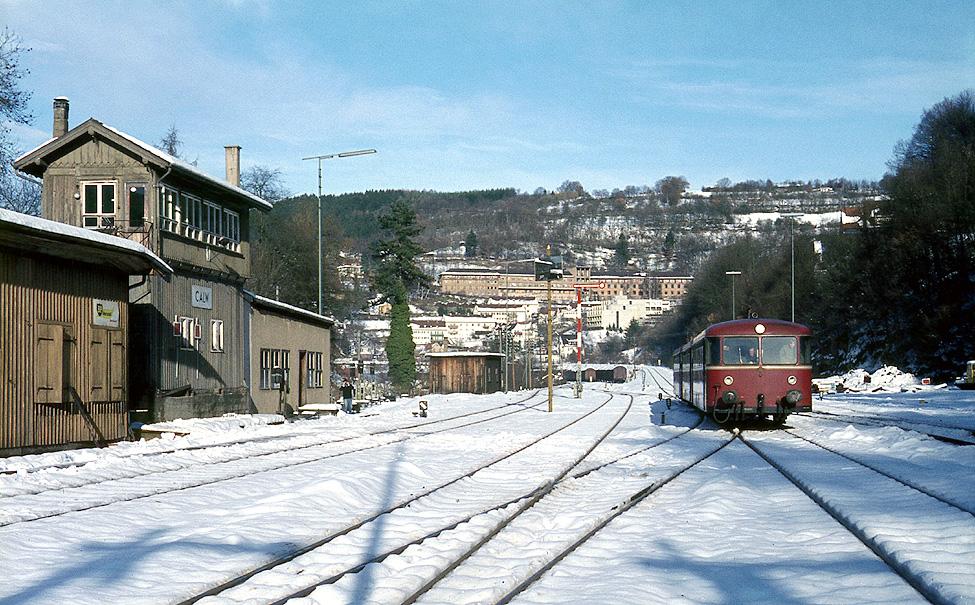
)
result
[(492, 488)]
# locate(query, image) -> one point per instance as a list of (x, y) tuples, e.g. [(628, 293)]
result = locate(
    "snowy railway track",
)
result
[(462, 485), (484, 531), (47, 503), (955, 435), (933, 553), (953, 498), (248, 441)]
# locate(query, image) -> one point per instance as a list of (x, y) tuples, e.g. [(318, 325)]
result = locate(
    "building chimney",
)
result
[(60, 116), (233, 164)]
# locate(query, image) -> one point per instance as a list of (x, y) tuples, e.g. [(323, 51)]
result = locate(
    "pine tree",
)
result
[(395, 256), (400, 348), (470, 244), (395, 275), (622, 254)]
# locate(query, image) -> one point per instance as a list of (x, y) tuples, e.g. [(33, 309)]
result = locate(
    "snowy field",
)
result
[(612, 498)]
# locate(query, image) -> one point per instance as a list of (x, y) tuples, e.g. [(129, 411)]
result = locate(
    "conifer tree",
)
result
[(394, 276)]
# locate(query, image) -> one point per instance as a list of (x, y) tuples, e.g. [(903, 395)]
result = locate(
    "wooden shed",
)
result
[(465, 372), (64, 332)]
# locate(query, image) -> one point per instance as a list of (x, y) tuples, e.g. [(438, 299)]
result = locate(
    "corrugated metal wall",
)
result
[(53, 300)]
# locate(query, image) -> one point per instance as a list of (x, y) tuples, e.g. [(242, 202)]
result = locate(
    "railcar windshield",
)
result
[(740, 351), (779, 351)]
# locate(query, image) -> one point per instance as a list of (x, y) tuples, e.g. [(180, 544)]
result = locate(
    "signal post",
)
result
[(579, 288)]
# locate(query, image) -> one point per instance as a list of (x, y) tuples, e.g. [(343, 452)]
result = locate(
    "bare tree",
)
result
[(16, 192), (20, 193), (264, 182), (171, 142)]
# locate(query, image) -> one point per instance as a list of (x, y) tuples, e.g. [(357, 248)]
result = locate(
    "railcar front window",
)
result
[(779, 351), (740, 351)]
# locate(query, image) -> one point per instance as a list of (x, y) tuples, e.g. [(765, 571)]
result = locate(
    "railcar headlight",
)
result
[(793, 396), (793, 380), (728, 380), (729, 396)]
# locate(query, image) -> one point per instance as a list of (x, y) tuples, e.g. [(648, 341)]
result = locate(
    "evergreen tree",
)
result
[(470, 245), (400, 348), (669, 243), (395, 256), (621, 255), (394, 275)]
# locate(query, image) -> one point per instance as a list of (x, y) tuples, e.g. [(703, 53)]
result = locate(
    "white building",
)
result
[(617, 313)]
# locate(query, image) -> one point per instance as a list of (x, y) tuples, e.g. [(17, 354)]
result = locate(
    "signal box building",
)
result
[(465, 372), (187, 344), (64, 327)]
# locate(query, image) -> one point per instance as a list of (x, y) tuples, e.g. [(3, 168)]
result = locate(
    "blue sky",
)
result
[(463, 95)]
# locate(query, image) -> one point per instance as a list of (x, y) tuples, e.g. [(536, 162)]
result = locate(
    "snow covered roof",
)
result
[(287, 309), (36, 234), (33, 162)]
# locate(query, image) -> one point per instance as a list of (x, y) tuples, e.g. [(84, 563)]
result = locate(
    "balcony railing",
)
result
[(197, 234), (139, 231)]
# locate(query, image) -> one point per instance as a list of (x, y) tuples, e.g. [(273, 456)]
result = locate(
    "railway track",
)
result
[(489, 526), (48, 503), (955, 435), (431, 528), (880, 511)]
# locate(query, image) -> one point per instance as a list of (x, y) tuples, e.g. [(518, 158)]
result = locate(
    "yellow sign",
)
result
[(105, 313)]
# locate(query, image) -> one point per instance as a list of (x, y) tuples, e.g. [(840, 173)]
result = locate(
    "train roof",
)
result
[(748, 327)]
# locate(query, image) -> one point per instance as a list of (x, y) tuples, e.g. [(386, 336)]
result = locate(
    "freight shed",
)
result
[(64, 320), (465, 372)]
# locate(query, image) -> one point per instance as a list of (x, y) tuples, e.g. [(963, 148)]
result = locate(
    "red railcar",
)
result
[(746, 368)]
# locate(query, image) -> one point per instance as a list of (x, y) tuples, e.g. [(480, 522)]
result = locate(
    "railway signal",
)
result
[(579, 287)]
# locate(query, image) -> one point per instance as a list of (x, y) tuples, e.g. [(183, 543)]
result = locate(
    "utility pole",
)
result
[(547, 269), (548, 284)]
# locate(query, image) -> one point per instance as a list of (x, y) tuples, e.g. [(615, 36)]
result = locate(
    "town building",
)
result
[(187, 341), (64, 333), (494, 283)]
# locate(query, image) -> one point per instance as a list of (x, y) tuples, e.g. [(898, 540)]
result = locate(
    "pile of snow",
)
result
[(227, 422), (888, 379)]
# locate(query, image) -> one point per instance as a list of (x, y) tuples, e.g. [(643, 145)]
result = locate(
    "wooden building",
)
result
[(465, 372), (64, 322), (289, 355), (187, 340)]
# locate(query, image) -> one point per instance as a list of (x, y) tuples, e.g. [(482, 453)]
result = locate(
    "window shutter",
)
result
[(48, 350)]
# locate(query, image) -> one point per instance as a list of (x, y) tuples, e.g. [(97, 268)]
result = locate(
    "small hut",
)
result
[(465, 372)]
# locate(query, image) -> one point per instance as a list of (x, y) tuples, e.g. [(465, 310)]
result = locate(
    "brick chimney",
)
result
[(233, 164), (60, 116)]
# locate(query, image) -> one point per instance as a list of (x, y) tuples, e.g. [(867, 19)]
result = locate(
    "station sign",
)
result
[(202, 297)]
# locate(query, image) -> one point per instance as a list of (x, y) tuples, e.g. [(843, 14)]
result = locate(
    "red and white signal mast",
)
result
[(580, 286)]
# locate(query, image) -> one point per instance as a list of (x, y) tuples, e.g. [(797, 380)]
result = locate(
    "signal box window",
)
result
[(779, 350), (137, 205), (99, 205), (740, 351)]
